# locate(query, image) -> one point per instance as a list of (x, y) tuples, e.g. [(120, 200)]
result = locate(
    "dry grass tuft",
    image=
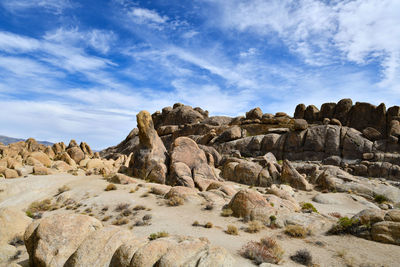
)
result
[(208, 225), (302, 256), (110, 187), (267, 250), (175, 201), (297, 231), (254, 227), (226, 212), (120, 221), (232, 230), (155, 236)]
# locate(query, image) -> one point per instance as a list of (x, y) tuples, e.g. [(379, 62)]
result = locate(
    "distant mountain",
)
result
[(8, 140)]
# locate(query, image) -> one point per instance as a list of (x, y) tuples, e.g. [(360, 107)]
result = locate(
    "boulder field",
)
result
[(330, 174)]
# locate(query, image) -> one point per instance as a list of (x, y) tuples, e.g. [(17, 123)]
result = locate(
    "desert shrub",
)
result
[(308, 207), (17, 241), (254, 227), (226, 212), (38, 206), (121, 207), (232, 230), (280, 162), (110, 187), (126, 212), (345, 225), (147, 217), (272, 218), (175, 201), (140, 223), (302, 256), (196, 223), (209, 206), (121, 221), (105, 208), (267, 250), (380, 199), (208, 225), (63, 189), (296, 231), (145, 194), (106, 218), (139, 207), (155, 236)]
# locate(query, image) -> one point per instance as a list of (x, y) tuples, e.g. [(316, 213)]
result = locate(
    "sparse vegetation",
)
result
[(155, 236), (110, 187), (226, 212), (39, 206), (175, 201), (139, 207), (267, 250), (232, 230), (196, 223), (106, 218), (121, 207), (63, 189), (297, 231), (254, 227), (209, 206), (208, 225), (120, 221), (147, 217), (308, 207), (302, 256), (380, 199), (345, 225)]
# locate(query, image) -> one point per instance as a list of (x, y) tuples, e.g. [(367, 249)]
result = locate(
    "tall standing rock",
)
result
[(299, 112), (311, 114), (290, 175), (342, 109), (149, 161)]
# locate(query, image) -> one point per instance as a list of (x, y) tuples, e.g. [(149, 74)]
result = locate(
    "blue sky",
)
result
[(83, 69)]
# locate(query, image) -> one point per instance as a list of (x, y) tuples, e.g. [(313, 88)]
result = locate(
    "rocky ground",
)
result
[(186, 189)]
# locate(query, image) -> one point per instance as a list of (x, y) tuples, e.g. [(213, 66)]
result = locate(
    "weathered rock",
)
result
[(99, 247), (62, 166), (299, 112), (42, 158), (372, 134), (182, 191), (52, 240), (393, 216), (41, 170), (233, 133), (10, 174), (58, 148), (311, 113), (247, 172), (76, 154), (86, 149), (185, 151), (185, 253), (149, 254), (370, 216), (342, 109), (300, 125), (13, 224), (67, 159), (251, 204), (327, 110), (290, 175), (148, 162), (217, 257), (386, 232), (255, 113), (120, 178)]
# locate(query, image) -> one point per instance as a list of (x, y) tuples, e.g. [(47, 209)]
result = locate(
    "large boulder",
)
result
[(249, 203), (293, 177), (42, 158), (233, 133), (386, 232), (148, 162), (179, 115), (76, 153), (99, 247), (52, 240), (299, 112), (342, 109), (255, 113), (311, 113), (13, 224), (188, 161)]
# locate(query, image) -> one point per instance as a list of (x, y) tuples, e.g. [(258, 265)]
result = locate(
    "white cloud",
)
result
[(146, 16), (325, 32), (54, 6)]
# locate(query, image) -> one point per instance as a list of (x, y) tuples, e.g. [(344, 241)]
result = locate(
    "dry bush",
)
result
[(226, 212), (106, 218), (139, 207), (147, 217), (38, 206), (267, 250), (232, 230), (208, 225), (196, 223), (175, 201), (254, 227), (110, 187), (155, 236), (121, 221), (17, 241), (121, 207), (302, 256), (335, 214), (296, 231), (209, 206), (63, 189)]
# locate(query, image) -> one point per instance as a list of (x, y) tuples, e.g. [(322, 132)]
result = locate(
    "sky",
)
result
[(82, 70)]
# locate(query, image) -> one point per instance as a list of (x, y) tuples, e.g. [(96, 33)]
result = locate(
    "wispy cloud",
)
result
[(54, 6), (146, 16)]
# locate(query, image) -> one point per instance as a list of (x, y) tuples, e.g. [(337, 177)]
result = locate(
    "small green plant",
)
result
[(175, 201), (272, 218), (110, 187), (380, 199), (226, 212), (267, 250), (297, 231), (254, 227), (345, 225), (155, 236), (308, 207), (208, 225), (280, 162), (232, 230)]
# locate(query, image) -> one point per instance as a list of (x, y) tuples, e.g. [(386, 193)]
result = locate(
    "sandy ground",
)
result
[(89, 192)]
